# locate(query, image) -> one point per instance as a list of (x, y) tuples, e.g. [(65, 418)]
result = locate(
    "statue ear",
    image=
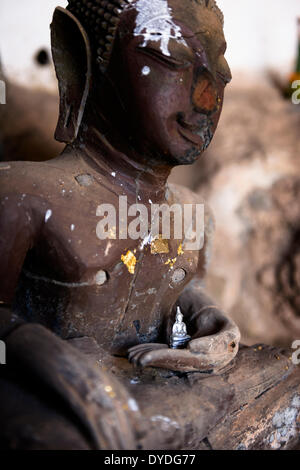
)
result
[(72, 58)]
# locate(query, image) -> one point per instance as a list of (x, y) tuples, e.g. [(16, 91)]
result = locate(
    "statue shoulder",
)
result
[(48, 180), (30, 189), (24, 177)]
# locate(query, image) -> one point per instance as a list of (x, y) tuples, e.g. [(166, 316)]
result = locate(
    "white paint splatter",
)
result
[(134, 381), (72, 227), (154, 22), (107, 249), (133, 405), (166, 422), (146, 70), (48, 215), (147, 241)]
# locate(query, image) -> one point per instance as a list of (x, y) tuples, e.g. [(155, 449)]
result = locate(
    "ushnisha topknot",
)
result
[(101, 18)]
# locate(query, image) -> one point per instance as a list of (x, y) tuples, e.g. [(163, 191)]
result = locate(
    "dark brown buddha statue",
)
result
[(141, 90)]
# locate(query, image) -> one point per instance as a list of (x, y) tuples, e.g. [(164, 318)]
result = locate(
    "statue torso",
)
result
[(77, 284)]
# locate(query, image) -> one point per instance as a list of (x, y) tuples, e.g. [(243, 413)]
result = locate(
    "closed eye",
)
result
[(169, 61)]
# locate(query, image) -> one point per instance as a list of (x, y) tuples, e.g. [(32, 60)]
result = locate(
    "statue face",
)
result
[(171, 87)]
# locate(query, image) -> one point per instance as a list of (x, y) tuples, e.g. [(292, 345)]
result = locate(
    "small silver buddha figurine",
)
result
[(179, 337)]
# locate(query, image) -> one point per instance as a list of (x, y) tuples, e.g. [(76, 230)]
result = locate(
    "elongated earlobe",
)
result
[(72, 58)]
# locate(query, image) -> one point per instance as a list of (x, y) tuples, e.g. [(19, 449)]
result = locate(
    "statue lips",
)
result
[(193, 133), (191, 137)]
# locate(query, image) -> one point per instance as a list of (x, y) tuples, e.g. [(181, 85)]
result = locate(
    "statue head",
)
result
[(151, 73)]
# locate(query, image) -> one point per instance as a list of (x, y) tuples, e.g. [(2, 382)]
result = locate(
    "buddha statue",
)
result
[(179, 337), (141, 87)]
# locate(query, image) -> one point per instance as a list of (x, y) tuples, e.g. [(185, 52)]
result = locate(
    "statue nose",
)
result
[(204, 95)]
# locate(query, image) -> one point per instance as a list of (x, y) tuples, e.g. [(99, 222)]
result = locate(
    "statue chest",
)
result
[(120, 291)]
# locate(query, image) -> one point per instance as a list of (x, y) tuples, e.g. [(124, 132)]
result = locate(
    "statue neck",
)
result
[(125, 167)]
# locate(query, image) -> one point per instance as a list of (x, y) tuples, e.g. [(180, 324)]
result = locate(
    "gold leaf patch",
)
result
[(159, 246), (180, 250), (130, 261), (171, 262)]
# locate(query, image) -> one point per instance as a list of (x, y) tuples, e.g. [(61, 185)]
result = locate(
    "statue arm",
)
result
[(95, 405), (214, 344), (59, 385), (214, 336)]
